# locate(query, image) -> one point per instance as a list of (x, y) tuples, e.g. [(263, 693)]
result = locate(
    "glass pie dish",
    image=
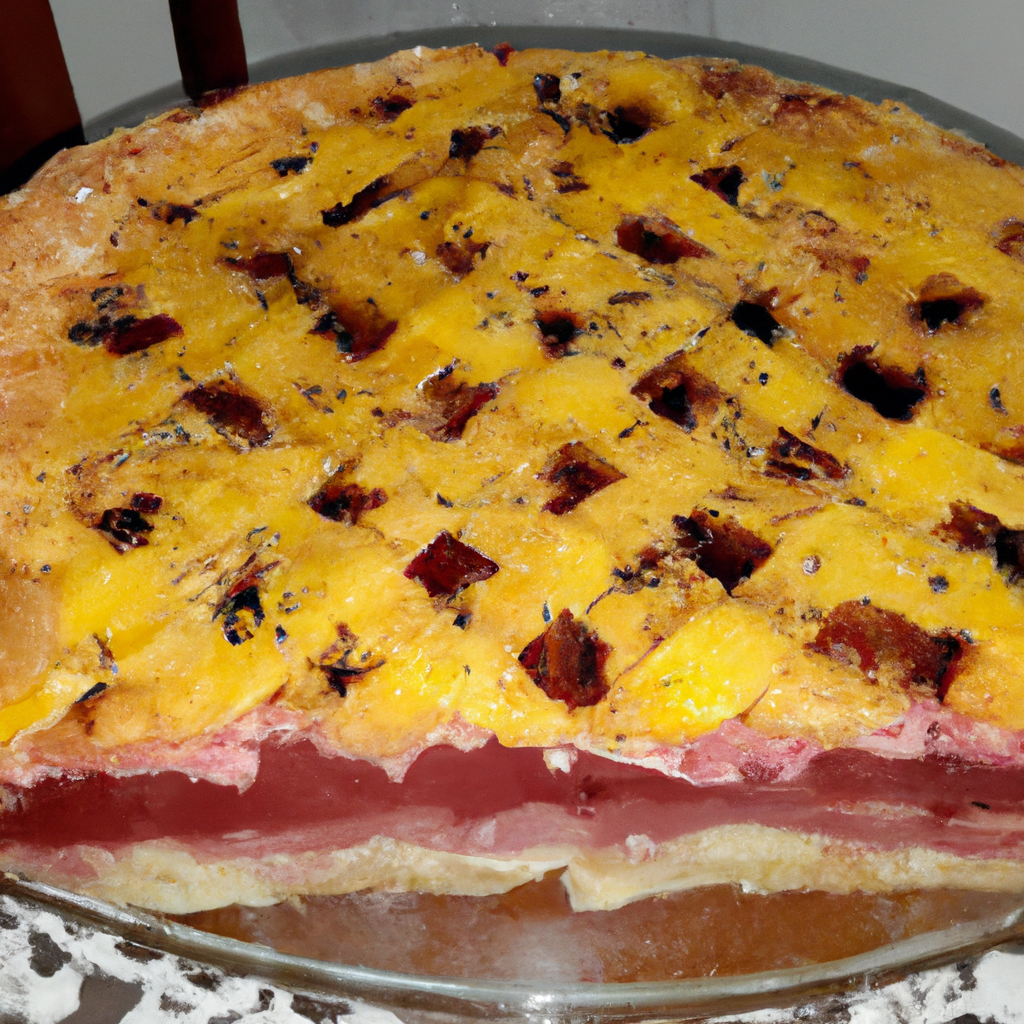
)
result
[(416, 997), (784, 976)]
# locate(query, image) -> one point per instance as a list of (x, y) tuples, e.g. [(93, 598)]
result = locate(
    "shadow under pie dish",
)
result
[(539, 462)]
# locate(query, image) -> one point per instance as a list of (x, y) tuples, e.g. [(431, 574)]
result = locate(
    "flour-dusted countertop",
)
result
[(53, 971)]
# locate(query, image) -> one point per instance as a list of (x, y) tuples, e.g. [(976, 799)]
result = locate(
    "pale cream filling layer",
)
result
[(163, 877)]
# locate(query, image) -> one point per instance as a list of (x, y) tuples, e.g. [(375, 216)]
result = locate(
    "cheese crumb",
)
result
[(560, 759), (640, 848)]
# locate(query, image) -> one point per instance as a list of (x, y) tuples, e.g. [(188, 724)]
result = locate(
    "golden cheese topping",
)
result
[(591, 399)]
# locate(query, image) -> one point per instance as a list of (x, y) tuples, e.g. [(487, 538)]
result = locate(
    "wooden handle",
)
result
[(211, 50), (38, 113)]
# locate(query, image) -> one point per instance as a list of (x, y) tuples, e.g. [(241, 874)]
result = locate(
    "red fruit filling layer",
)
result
[(496, 801)]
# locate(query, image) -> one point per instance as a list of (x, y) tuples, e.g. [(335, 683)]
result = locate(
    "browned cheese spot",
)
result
[(502, 52), (547, 88), (357, 331), (889, 390), (567, 662), (290, 165), (366, 199), (342, 501), (558, 329), (755, 319), (467, 142), (835, 249), (143, 501), (130, 335), (262, 266), (233, 412), (452, 403), (457, 256), (721, 546), (1009, 239), (804, 107), (658, 240), (170, 212), (390, 108), (678, 393), (944, 300), (343, 662), (446, 566), (241, 608), (378, 192), (576, 473), (626, 123), (971, 529), (740, 80), (124, 335), (723, 182), (566, 178), (881, 642), (796, 459), (124, 528), (628, 298), (629, 580)]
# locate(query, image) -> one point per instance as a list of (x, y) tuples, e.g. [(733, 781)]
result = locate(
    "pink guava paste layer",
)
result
[(495, 801)]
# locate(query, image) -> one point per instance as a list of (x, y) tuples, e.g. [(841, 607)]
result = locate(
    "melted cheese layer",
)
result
[(291, 342)]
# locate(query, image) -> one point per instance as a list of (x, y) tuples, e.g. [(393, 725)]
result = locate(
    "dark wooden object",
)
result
[(38, 113), (211, 50)]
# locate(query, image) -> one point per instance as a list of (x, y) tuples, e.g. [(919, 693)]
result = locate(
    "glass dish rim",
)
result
[(525, 999), (522, 999)]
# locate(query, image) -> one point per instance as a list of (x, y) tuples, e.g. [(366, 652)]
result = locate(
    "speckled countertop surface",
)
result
[(987, 989), (53, 971)]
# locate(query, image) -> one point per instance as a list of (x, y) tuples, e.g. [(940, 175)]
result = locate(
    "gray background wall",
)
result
[(966, 52)]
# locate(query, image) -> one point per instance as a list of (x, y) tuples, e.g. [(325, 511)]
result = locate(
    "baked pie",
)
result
[(437, 473)]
